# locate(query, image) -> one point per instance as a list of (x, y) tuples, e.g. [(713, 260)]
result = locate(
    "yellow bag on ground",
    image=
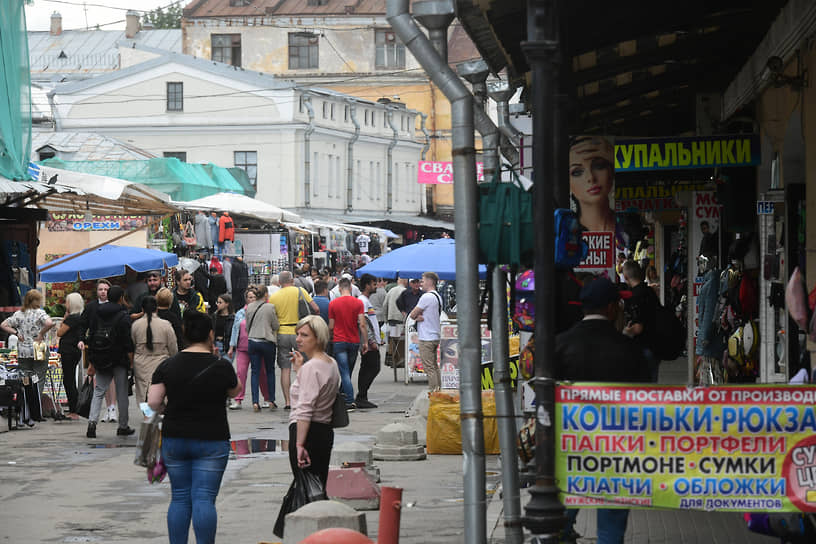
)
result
[(444, 430)]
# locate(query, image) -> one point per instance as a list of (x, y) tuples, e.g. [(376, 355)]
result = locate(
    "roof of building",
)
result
[(86, 146), (263, 80), (91, 51), (254, 8)]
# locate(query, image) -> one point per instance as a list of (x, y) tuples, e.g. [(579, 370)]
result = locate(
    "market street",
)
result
[(61, 487)]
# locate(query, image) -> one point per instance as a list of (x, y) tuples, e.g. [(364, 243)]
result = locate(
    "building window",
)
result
[(175, 96), (226, 48), (331, 108), (180, 155), (365, 122), (373, 122), (46, 152), (248, 162), (302, 50), (390, 52), (346, 114), (325, 110), (239, 3)]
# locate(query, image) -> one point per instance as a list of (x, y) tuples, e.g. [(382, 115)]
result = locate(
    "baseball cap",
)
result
[(598, 293), (347, 276)]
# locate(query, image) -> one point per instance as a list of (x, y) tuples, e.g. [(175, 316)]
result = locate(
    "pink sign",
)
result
[(442, 172)]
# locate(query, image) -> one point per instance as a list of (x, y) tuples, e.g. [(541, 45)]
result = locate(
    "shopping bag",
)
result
[(306, 487), (85, 397), (148, 443)]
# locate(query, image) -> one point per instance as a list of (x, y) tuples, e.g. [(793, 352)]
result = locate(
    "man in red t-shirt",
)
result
[(348, 328)]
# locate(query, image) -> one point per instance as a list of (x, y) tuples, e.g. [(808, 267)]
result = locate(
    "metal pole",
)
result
[(505, 410), (544, 514), (467, 279)]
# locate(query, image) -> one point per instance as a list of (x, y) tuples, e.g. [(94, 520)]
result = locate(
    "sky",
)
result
[(101, 12)]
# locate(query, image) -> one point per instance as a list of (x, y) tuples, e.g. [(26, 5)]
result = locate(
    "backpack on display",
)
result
[(103, 342), (668, 335)]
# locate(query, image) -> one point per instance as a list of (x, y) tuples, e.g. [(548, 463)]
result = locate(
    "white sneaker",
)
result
[(105, 416), (112, 414), (264, 404)]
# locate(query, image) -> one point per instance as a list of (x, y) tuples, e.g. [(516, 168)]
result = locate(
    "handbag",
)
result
[(305, 488), (505, 221), (303, 306), (339, 416), (148, 443), (85, 397)]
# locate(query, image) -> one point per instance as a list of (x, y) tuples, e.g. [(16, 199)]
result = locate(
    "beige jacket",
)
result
[(164, 342), (265, 326)]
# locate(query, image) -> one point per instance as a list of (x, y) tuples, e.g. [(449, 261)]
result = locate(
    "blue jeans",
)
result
[(262, 352), (611, 524), (346, 355), (195, 468)]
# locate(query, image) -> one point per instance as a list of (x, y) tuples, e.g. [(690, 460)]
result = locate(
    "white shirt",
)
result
[(362, 241), (372, 317), (429, 327), (335, 292)]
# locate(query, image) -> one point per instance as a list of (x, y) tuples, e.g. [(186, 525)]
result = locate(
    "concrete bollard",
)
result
[(353, 486), (318, 515), (355, 454), (398, 442)]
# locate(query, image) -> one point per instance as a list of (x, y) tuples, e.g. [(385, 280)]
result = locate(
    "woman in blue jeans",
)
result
[(195, 433)]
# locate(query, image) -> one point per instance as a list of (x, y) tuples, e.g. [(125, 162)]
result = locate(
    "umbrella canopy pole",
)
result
[(97, 246)]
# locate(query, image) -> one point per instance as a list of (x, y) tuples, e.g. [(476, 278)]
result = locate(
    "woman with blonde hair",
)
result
[(154, 341), (30, 325), (69, 335), (314, 389)]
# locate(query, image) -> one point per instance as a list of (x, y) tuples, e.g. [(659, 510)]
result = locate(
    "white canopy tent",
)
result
[(242, 205)]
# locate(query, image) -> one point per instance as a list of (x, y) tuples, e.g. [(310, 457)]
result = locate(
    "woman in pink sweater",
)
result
[(313, 391)]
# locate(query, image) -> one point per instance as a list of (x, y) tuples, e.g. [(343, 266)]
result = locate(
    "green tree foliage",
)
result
[(169, 17)]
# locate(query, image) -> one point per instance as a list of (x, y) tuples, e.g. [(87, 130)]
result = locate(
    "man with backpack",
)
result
[(110, 354), (641, 315), (427, 314)]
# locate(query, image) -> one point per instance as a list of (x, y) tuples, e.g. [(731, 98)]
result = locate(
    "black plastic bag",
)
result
[(305, 488), (85, 397)]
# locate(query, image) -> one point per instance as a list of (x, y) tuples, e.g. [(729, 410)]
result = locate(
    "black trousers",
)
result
[(319, 443), (369, 368), (70, 359)]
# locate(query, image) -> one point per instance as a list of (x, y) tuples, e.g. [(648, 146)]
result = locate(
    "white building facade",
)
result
[(304, 148)]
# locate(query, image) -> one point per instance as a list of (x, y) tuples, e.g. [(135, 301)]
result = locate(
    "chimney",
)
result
[(56, 24), (132, 25)]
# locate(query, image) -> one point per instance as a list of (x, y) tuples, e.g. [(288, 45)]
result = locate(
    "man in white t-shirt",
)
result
[(427, 313), (369, 351)]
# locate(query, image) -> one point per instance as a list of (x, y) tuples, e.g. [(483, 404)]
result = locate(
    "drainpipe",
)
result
[(476, 71), (427, 145), (501, 92), (389, 117), (307, 150), (467, 279), (544, 514), (436, 16), (350, 182)]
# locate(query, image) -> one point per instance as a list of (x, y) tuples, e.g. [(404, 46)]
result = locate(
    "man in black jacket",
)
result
[(110, 350), (593, 350)]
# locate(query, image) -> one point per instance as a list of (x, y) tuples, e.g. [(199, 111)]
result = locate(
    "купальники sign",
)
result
[(639, 155)]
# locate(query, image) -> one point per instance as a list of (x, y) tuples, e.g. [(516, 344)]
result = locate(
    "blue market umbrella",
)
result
[(104, 262), (411, 261)]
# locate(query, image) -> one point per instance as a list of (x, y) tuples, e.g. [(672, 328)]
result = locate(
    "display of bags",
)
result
[(305, 488), (85, 397)]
